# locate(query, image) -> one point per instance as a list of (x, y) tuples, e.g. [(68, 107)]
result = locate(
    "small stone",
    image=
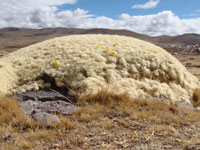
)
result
[(183, 104), (5, 136), (45, 119)]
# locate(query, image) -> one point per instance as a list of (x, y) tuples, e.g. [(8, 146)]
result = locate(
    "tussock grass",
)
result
[(107, 103), (196, 98), (11, 115), (104, 96)]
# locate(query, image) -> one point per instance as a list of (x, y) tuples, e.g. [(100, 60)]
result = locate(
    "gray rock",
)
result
[(26, 96), (45, 119), (39, 105), (58, 106), (49, 96), (41, 95), (185, 105), (29, 106)]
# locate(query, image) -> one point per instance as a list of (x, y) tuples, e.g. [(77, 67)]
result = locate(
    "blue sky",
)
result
[(150, 17), (114, 8)]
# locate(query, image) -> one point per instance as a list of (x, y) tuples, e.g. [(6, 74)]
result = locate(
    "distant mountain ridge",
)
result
[(14, 38)]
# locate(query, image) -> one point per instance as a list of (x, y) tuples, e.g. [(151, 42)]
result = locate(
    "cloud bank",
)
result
[(42, 14), (147, 5)]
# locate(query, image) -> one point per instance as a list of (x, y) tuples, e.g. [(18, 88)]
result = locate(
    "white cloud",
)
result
[(30, 13), (42, 14), (147, 5), (162, 23)]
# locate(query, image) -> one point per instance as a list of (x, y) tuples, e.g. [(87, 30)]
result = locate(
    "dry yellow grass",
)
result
[(111, 103), (11, 115), (105, 120)]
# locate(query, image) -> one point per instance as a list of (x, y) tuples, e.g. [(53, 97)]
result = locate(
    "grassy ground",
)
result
[(104, 121)]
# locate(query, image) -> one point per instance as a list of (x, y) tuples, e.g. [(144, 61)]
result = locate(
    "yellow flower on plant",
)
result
[(116, 44), (37, 54), (112, 53), (56, 64), (97, 47), (54, 44), (107, 50)]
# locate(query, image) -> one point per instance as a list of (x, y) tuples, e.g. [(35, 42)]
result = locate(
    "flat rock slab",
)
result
[(58, 106), (41, 95), (45, 101)]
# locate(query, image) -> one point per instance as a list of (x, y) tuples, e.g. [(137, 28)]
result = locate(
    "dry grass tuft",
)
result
[(104, 96), (196, 98), (107, 103), (11, 115), (89, 113), (66, 123)]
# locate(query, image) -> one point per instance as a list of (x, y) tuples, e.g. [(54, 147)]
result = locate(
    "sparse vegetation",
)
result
[(105, 120)]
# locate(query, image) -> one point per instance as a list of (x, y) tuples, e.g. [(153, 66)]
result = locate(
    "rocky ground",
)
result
[(105, 121)]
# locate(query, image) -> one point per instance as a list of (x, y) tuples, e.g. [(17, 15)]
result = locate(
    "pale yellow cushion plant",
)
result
[(124, 64)]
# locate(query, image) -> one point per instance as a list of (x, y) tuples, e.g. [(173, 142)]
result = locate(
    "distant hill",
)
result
[(14, 38), (185, 39)]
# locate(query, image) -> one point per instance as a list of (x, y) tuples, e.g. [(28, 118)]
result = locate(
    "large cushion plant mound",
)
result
[(91, 62)]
